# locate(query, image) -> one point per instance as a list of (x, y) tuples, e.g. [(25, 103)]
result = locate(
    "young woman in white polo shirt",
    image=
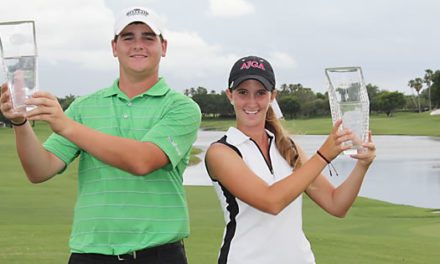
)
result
[(259, 174)]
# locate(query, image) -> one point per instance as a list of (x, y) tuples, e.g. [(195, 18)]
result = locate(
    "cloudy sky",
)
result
[(392, 40)]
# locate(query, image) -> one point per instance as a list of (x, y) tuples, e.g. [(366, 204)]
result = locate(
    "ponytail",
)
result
[(284, 143)]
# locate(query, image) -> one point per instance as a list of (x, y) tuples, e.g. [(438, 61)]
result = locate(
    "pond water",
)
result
[(405, 171)]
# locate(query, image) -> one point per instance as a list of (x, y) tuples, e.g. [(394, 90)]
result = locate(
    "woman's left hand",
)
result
[(367, 156)]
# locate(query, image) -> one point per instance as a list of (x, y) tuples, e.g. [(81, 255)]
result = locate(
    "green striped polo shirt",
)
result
[(117, 212)]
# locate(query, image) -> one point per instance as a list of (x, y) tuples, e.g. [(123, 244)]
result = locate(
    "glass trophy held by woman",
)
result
[(349, 101)]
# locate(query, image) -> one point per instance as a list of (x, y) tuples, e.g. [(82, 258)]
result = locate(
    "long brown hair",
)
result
[(284, 143)]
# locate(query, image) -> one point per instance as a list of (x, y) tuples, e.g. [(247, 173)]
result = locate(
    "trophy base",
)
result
[(354, 150), (349, 152), (23, 108)]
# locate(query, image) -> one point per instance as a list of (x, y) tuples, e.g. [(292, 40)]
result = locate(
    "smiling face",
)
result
[(138, 50), (251, 102)]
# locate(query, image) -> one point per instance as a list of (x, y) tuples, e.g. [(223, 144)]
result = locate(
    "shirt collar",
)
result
[(236, 137), (158, 89)]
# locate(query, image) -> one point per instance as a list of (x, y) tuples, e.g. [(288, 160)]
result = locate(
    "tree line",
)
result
[(430, 82), (297, 101)]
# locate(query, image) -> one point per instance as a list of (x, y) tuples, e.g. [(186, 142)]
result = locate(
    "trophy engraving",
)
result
[(349, 101)]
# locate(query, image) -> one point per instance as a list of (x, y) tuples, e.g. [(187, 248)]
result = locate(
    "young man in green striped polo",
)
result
[(133, 141)]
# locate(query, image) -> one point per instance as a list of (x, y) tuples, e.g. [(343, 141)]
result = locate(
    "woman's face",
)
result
[(251, 102)]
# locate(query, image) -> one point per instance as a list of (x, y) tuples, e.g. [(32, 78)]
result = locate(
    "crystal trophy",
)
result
[(18, 50), (348, 100)]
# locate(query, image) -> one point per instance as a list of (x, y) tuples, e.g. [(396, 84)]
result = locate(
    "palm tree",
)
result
[(428, 81), (417, 84)]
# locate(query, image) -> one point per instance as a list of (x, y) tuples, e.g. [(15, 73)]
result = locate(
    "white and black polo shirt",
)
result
[(251, 235)]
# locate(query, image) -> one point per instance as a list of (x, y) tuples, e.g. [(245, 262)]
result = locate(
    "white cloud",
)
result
[(80, 32), (281, 60), (68, 31), (74, 37), (190, 57), (228, 8), (196, 62)]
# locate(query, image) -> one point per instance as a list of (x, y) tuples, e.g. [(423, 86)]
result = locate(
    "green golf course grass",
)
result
[(35, 220), (400, 124)]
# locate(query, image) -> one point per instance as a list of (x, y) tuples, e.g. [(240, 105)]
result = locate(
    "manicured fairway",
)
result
[(35, 222)]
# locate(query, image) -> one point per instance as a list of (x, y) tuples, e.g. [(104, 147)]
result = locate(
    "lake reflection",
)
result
[(406, 169)]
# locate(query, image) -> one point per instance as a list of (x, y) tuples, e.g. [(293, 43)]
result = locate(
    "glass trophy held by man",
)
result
[(18, 50)]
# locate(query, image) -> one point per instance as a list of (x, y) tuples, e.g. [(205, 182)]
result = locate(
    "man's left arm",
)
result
[(136, 157)]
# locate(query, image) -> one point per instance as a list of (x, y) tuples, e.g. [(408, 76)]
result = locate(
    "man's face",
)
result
[(139, 49)]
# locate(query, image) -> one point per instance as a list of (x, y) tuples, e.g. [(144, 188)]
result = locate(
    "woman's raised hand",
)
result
[(333, 146), (366, 157)]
